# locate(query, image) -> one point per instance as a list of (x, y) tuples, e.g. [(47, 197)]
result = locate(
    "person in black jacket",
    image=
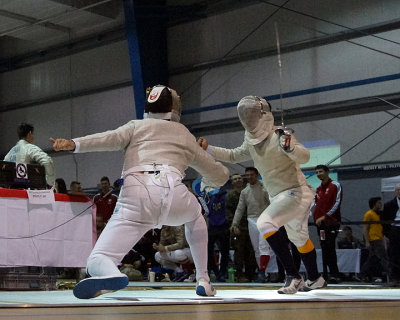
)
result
[(391, 212)]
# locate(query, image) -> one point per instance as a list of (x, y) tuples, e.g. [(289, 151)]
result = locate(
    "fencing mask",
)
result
[(256, 117)]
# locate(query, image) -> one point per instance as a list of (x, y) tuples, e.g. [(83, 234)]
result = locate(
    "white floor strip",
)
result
[(188, 296)]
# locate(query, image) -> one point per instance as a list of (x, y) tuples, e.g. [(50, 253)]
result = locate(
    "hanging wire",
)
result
[(216, 89), (349, 41), (362, 140), (234, 47), (52, 17), (394, 116), (329, 22)]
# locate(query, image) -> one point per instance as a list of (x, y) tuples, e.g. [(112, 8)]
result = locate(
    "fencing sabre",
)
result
[(284, 133)]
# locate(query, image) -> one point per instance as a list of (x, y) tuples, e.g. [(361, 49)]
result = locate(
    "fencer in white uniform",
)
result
[(290, 195), (157, 153)]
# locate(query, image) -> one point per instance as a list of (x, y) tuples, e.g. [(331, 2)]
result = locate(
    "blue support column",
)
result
[(134, 54), (146, 26)]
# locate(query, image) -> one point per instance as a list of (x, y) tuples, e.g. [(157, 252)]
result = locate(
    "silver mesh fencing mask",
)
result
[(256, 117)]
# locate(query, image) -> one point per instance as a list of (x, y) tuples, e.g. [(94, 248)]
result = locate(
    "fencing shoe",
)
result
[(316, 284), (96, 286), (292, 285), (205, 288)]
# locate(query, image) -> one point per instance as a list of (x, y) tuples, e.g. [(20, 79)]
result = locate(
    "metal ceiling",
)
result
[(34, 26), (35, 31)]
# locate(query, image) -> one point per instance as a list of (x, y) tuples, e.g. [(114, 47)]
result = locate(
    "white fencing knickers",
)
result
[(151, 196), (290, 208)]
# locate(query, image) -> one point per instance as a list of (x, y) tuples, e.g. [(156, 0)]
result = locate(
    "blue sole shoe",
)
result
[(205, 288), (95, 286)]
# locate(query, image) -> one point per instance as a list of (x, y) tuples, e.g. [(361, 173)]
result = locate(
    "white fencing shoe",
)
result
[(316, 284), (292, 285), (95, 286), (205, 288)]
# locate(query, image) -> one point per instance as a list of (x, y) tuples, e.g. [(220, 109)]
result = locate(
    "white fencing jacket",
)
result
[(26, 152)]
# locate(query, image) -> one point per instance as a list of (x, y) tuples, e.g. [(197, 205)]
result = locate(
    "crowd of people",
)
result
[(158, 226)]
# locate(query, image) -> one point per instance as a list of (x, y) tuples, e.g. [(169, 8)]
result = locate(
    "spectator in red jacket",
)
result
[(327, 218), (105, 201)]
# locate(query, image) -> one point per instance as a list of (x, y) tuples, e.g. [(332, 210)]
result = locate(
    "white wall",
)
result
[(338, 63)]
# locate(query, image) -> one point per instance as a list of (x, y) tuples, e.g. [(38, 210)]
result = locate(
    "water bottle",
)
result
[(231, 275)]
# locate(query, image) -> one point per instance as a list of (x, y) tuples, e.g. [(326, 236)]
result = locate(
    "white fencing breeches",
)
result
[(291, 209), (142, 206)]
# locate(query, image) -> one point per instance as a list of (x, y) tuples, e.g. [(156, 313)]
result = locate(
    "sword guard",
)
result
[(285, 137)]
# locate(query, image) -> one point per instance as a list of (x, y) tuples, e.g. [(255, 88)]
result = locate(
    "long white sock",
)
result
[(197, 237)]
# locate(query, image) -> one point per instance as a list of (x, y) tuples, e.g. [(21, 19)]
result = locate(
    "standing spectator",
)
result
[(374, 240), (26, 152), (244, 253), (173, 252), (391, 212), (218, 230), (327, 218), (105, 201), (253, 199)]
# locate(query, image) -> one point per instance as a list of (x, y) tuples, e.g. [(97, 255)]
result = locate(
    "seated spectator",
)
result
[(145, 247), (346, 240), (133, 265), (173, 252), (105, 201), (75, 189), (60, 186), (26, 152)]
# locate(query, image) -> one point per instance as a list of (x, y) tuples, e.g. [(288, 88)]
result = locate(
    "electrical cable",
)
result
[(349, 41), (329, 22), (234, 47), (369, 135), (47, 231)]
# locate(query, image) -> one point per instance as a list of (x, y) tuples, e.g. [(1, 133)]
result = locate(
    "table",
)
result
[(348, 261), (52, 235)]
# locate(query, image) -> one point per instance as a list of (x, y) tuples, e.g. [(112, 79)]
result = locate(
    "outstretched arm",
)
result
[(239, 154), (62, 144)]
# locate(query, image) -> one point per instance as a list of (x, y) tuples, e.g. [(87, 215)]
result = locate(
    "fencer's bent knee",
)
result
[(180, 255), (307, 247), (266, 226), (157, 257)]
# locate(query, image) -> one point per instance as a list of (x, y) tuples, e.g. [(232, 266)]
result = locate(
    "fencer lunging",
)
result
[(277, 155), (157, 153)]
